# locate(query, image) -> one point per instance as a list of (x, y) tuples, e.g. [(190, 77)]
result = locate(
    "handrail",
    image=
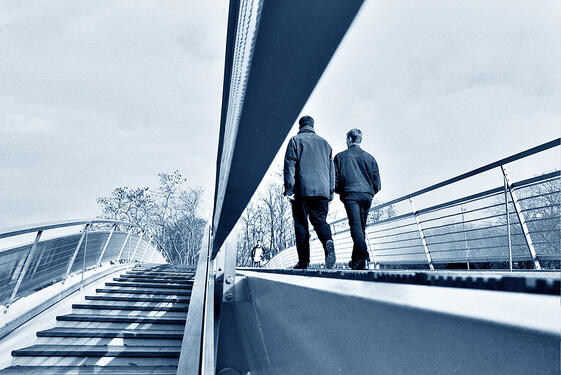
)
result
[(463, 176), (18, 230)]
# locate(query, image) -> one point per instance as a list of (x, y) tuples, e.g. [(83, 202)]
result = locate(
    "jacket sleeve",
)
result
[(290, 160), (376, 182), (337, 175), (331, 176)]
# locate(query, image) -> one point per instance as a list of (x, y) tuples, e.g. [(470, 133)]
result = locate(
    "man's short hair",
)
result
[(355, 135), (306, 121)]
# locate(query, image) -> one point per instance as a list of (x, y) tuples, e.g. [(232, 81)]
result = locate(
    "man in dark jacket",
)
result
[(357, 179), (309, 182)]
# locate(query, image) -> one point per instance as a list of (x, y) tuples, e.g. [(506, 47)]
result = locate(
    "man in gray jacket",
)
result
[(357, 179), (309, 183)]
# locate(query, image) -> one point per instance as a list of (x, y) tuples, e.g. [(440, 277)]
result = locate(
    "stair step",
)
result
[(137, 299), (155, 277), (153, 280), (112, 333), (90, 370), (163, 274), (128, 307), (119, 319), (98, 351), (145, 291), (150, 285)]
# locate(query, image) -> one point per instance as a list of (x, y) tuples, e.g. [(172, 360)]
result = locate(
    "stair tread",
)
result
[(180, 281), (90, 370), (144, 291), (120, 319), (98, 351), (150, 285), (128, 307), (111, 333), (137, 299)]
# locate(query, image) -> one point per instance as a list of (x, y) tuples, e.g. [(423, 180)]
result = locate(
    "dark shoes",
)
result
[(330, 256), (359, 264), (301, 266)]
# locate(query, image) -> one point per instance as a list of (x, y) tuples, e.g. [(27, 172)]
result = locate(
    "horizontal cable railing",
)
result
[(27, 268), (515, 225)]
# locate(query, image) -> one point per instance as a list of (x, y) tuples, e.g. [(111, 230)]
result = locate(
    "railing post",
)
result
[(507, 213), (146, 249), (25, 267), (124, 243), (465, 235), (106, 244), (71, 262), (421, 233), (521, 218), (136, 247)]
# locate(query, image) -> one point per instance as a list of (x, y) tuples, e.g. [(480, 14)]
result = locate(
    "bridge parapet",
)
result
[(27, 268)]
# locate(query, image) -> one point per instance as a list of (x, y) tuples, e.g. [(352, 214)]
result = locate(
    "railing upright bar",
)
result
[(106, 244), (25, 266), (124, 243), (146, 249), (75, 254), (421, 233), (507, 214), (136, 247), (521, 218)]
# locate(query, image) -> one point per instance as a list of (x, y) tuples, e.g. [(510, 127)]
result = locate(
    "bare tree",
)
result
[(170, 214)]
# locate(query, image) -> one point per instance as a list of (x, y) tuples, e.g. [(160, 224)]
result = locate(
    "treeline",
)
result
[(266, 219), (169, 213)]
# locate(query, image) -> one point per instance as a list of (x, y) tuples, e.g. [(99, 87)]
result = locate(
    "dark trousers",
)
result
[(314, 208), (357, 212)]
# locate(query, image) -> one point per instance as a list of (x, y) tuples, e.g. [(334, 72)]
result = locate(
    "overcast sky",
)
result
[(93, 97)]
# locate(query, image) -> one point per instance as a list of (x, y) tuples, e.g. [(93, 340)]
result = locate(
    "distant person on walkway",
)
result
[(257, 255), (357, 180), (309, 183)]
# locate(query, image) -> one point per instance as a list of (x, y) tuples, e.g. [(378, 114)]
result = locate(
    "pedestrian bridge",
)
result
[(461, 281)]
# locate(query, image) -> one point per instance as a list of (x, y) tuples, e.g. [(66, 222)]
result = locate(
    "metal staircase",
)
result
[(134, 325)]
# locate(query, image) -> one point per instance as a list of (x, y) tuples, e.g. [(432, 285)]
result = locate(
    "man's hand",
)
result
[(291, 197)]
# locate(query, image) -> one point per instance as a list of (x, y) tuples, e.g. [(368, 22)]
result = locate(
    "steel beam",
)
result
[(136, 247), (25, 266), (421, 233), (123, 245), (73, 258), (106, 244), (521, 218)]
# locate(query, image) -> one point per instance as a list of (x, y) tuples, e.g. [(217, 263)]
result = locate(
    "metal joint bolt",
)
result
[(229, 280), (229, 296)]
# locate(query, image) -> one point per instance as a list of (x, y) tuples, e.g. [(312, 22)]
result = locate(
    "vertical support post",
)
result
[(371, 251), (124, 243), (521, 218), (136, 247), (230, 258), (73, 258), (25, 266), (507, 213), (421, 233), (465, 235), (106, 244), (146, 249)]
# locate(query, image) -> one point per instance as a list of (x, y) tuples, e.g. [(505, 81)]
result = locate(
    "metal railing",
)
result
[(27, 268), (515, 225)]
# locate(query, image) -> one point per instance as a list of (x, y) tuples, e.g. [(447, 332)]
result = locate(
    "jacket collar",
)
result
[(306, 129), (354, 145)]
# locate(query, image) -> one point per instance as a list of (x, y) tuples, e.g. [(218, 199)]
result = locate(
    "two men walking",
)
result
[(311, 177)]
